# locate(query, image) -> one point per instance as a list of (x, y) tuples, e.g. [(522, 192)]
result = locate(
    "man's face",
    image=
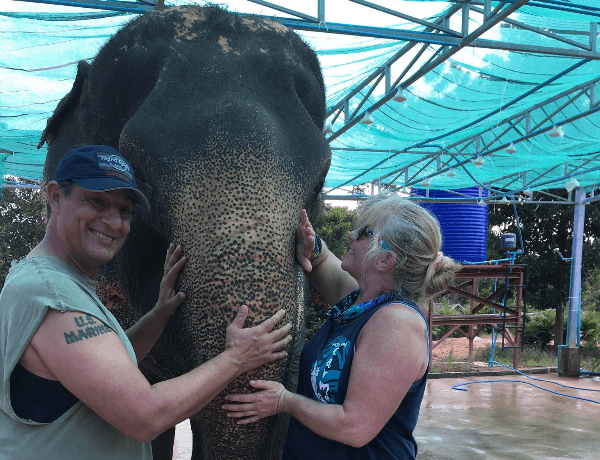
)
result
[(93, 226)]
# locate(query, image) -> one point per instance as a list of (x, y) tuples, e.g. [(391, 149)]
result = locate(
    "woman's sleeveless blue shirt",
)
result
[(325, 365)]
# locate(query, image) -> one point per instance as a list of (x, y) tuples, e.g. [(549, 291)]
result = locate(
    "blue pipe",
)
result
[(593, 374), (457, 386)]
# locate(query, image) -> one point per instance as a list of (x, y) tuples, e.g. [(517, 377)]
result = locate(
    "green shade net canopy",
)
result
[(513, 110)]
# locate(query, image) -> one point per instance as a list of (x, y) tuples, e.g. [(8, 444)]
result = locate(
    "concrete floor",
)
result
[(501, 420), (506, 420)]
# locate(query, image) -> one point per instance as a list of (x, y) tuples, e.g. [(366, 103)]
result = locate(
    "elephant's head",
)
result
[(221, 117)]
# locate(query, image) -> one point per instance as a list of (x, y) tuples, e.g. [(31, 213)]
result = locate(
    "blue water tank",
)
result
[(464, 226)]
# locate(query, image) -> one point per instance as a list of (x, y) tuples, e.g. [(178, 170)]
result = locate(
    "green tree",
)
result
[(333, 226), (22, 226), (590, 291), (545, 227)]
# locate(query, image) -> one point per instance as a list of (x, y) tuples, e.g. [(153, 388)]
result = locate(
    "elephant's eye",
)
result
[(319, 187)]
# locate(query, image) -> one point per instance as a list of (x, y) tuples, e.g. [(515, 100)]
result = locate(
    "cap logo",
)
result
[(115, 162)]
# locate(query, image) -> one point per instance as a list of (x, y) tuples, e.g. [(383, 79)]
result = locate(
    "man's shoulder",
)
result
[(35, 273), (46, 281)]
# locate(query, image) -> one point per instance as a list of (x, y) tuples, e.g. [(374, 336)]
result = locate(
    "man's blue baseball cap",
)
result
[(99, 168)]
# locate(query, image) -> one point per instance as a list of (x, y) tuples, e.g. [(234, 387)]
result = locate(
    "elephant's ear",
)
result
[(66, 104)]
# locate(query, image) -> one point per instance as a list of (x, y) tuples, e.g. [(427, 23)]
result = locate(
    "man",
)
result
[(70, 386)]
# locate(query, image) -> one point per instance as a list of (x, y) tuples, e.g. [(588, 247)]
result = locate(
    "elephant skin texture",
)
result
[(221, 116)]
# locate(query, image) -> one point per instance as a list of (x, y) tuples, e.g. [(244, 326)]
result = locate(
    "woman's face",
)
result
[(355, 261)]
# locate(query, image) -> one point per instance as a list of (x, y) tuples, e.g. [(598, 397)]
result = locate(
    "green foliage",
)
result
[(539, 329), (590, 291), (21, 226), (590, 327), (333, 226), (444, 307), (530, 356), (544, 228)]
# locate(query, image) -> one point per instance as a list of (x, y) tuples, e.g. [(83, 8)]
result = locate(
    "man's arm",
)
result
[(96, 368), (145, 332)]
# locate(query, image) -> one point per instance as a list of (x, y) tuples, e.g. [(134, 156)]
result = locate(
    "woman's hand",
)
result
[(168, 299), (252, 407), (258, 345), (305, 242)]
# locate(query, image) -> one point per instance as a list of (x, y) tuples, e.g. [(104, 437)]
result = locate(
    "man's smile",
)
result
[(103, 236)]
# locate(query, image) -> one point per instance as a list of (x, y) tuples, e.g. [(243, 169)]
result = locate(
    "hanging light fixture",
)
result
[(367, 119), (452, 172), (426, 182), (511, 148), (504, 200), (528, 193), (478, 161), (399, 96), (556, 131), (572, 184), (481, 202), (328, 129)]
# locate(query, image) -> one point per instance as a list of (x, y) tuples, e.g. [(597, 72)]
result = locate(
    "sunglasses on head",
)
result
[(369, 232)]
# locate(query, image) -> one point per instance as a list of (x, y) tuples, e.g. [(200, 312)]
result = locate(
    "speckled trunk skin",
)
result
[(221, 118)]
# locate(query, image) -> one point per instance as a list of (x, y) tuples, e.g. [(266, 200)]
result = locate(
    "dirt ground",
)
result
[(459, 348)]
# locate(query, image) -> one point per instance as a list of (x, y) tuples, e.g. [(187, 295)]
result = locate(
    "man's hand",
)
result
[(168, 299)]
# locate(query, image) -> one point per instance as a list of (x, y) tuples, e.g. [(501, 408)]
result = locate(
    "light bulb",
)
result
[(367, 119), (556, 131), (511, 148), (399, 96), (478, 161), (451, 173), (571, 184), (504, 200)]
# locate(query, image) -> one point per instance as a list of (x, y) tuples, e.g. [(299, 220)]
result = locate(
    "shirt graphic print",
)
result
[(326, 370)]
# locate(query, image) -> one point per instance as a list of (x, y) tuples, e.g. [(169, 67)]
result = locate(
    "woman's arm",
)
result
[(391, 354), (145, 332), (324, 273)]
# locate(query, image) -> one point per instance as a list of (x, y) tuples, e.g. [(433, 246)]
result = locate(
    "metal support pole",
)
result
[(321, 11), (568, 356), (465, 19), (575, 299)]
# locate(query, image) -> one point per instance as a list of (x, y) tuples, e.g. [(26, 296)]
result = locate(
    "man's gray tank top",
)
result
[(32, 287)]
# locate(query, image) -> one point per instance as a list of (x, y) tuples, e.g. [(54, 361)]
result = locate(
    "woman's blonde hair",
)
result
[(414, 235)]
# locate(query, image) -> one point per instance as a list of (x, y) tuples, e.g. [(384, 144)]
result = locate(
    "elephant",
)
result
[(221, 116)]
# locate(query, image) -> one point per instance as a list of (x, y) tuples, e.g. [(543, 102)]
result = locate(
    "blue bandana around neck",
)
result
[(345, 310)]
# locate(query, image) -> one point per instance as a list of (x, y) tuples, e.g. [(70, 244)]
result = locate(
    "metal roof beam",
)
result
[(112, 5), (540, 31), (422, 22), (405, 49), (286, 10), (494, 20)]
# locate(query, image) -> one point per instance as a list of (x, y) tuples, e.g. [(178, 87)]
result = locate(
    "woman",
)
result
[(362, 376)]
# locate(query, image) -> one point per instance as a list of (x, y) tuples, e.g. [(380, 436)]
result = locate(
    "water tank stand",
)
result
[(510, 323)]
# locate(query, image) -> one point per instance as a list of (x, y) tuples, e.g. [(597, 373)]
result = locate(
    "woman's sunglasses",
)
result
[(369, 232)]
